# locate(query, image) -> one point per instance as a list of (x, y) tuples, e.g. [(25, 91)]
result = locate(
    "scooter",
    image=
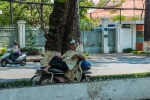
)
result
[(20, 59), (54, 75)]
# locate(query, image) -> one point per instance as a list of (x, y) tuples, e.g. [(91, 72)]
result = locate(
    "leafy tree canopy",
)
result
[(28, 12), (31, 12)]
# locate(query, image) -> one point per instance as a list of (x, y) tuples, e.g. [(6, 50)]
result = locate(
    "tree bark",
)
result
[(63, 26), (147, 21)]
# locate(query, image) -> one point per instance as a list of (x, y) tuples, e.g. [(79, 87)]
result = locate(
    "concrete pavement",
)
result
[(102, 64)]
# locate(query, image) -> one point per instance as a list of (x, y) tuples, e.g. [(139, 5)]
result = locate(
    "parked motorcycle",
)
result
[(54, 75), (21, 59)]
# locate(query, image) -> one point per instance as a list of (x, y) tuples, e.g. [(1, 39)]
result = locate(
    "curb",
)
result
[(33, 60)]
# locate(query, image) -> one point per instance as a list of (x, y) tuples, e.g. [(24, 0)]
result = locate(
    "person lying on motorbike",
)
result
[(16, 52), (68, 60)]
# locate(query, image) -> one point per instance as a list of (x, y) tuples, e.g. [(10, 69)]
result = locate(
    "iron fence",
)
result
[(34, 37), (8, 34)]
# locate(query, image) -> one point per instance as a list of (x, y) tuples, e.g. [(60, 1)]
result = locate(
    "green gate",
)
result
[(8, 34)]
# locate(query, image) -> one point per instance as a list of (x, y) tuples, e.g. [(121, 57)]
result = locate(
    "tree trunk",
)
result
[(63, 26), (147, 21)]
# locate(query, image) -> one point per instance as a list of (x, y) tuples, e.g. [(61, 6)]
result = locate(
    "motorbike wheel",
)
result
[(88, 78), (46, 80), (3, 63), (33, 79), (23, 62)]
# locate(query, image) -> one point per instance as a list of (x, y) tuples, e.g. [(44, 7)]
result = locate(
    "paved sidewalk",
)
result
[(37, 58), (34, 58)]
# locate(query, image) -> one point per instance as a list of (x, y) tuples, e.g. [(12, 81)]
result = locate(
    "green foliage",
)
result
[(135, 18), (62, 0), (101, 3), (121, 76), (29, 13), (31, 51), (139, 52), (113, 11), (2, 51), (85, 22), (86, 54), (118, 17), (86, 25), (42, 54), (122, 1), (15, 84), (93, 78), (83, 11), (118, 5), (51, 27), (127, 50)]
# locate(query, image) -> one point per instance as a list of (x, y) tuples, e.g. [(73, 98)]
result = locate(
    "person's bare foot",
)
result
[(46, 69)]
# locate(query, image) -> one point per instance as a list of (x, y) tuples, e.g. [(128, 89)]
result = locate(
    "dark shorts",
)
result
[(57, 63)]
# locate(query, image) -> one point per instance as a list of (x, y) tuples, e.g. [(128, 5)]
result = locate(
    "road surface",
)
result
[(101, 65)]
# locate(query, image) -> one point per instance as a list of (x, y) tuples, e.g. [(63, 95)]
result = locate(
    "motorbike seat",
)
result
[(20, 54), (55, 70)]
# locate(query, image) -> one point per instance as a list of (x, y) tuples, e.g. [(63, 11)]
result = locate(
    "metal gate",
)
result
[(34, 37), (8, 34), (92, 40)]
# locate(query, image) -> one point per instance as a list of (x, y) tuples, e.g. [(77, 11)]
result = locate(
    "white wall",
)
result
[(121, 89)]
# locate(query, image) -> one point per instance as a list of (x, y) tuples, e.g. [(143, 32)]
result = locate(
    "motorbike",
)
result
[(20, 59), (54, 75)]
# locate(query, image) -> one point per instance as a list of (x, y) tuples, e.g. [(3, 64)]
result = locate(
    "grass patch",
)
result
[(93, 78), (139, 52), (121, 76), (15, 84)]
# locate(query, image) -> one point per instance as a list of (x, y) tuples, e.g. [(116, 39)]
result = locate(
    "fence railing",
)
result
[(34, 37), (92, 40), (8, 34)]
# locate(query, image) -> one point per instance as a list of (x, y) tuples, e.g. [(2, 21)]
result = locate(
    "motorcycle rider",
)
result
[(16, 52), (68, 60)]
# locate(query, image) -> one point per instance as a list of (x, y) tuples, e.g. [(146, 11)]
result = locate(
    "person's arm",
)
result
[(79, 56), (63, 56)]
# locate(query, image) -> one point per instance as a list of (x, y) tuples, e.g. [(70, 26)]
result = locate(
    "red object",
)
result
[(140, 46), (139, 27)]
